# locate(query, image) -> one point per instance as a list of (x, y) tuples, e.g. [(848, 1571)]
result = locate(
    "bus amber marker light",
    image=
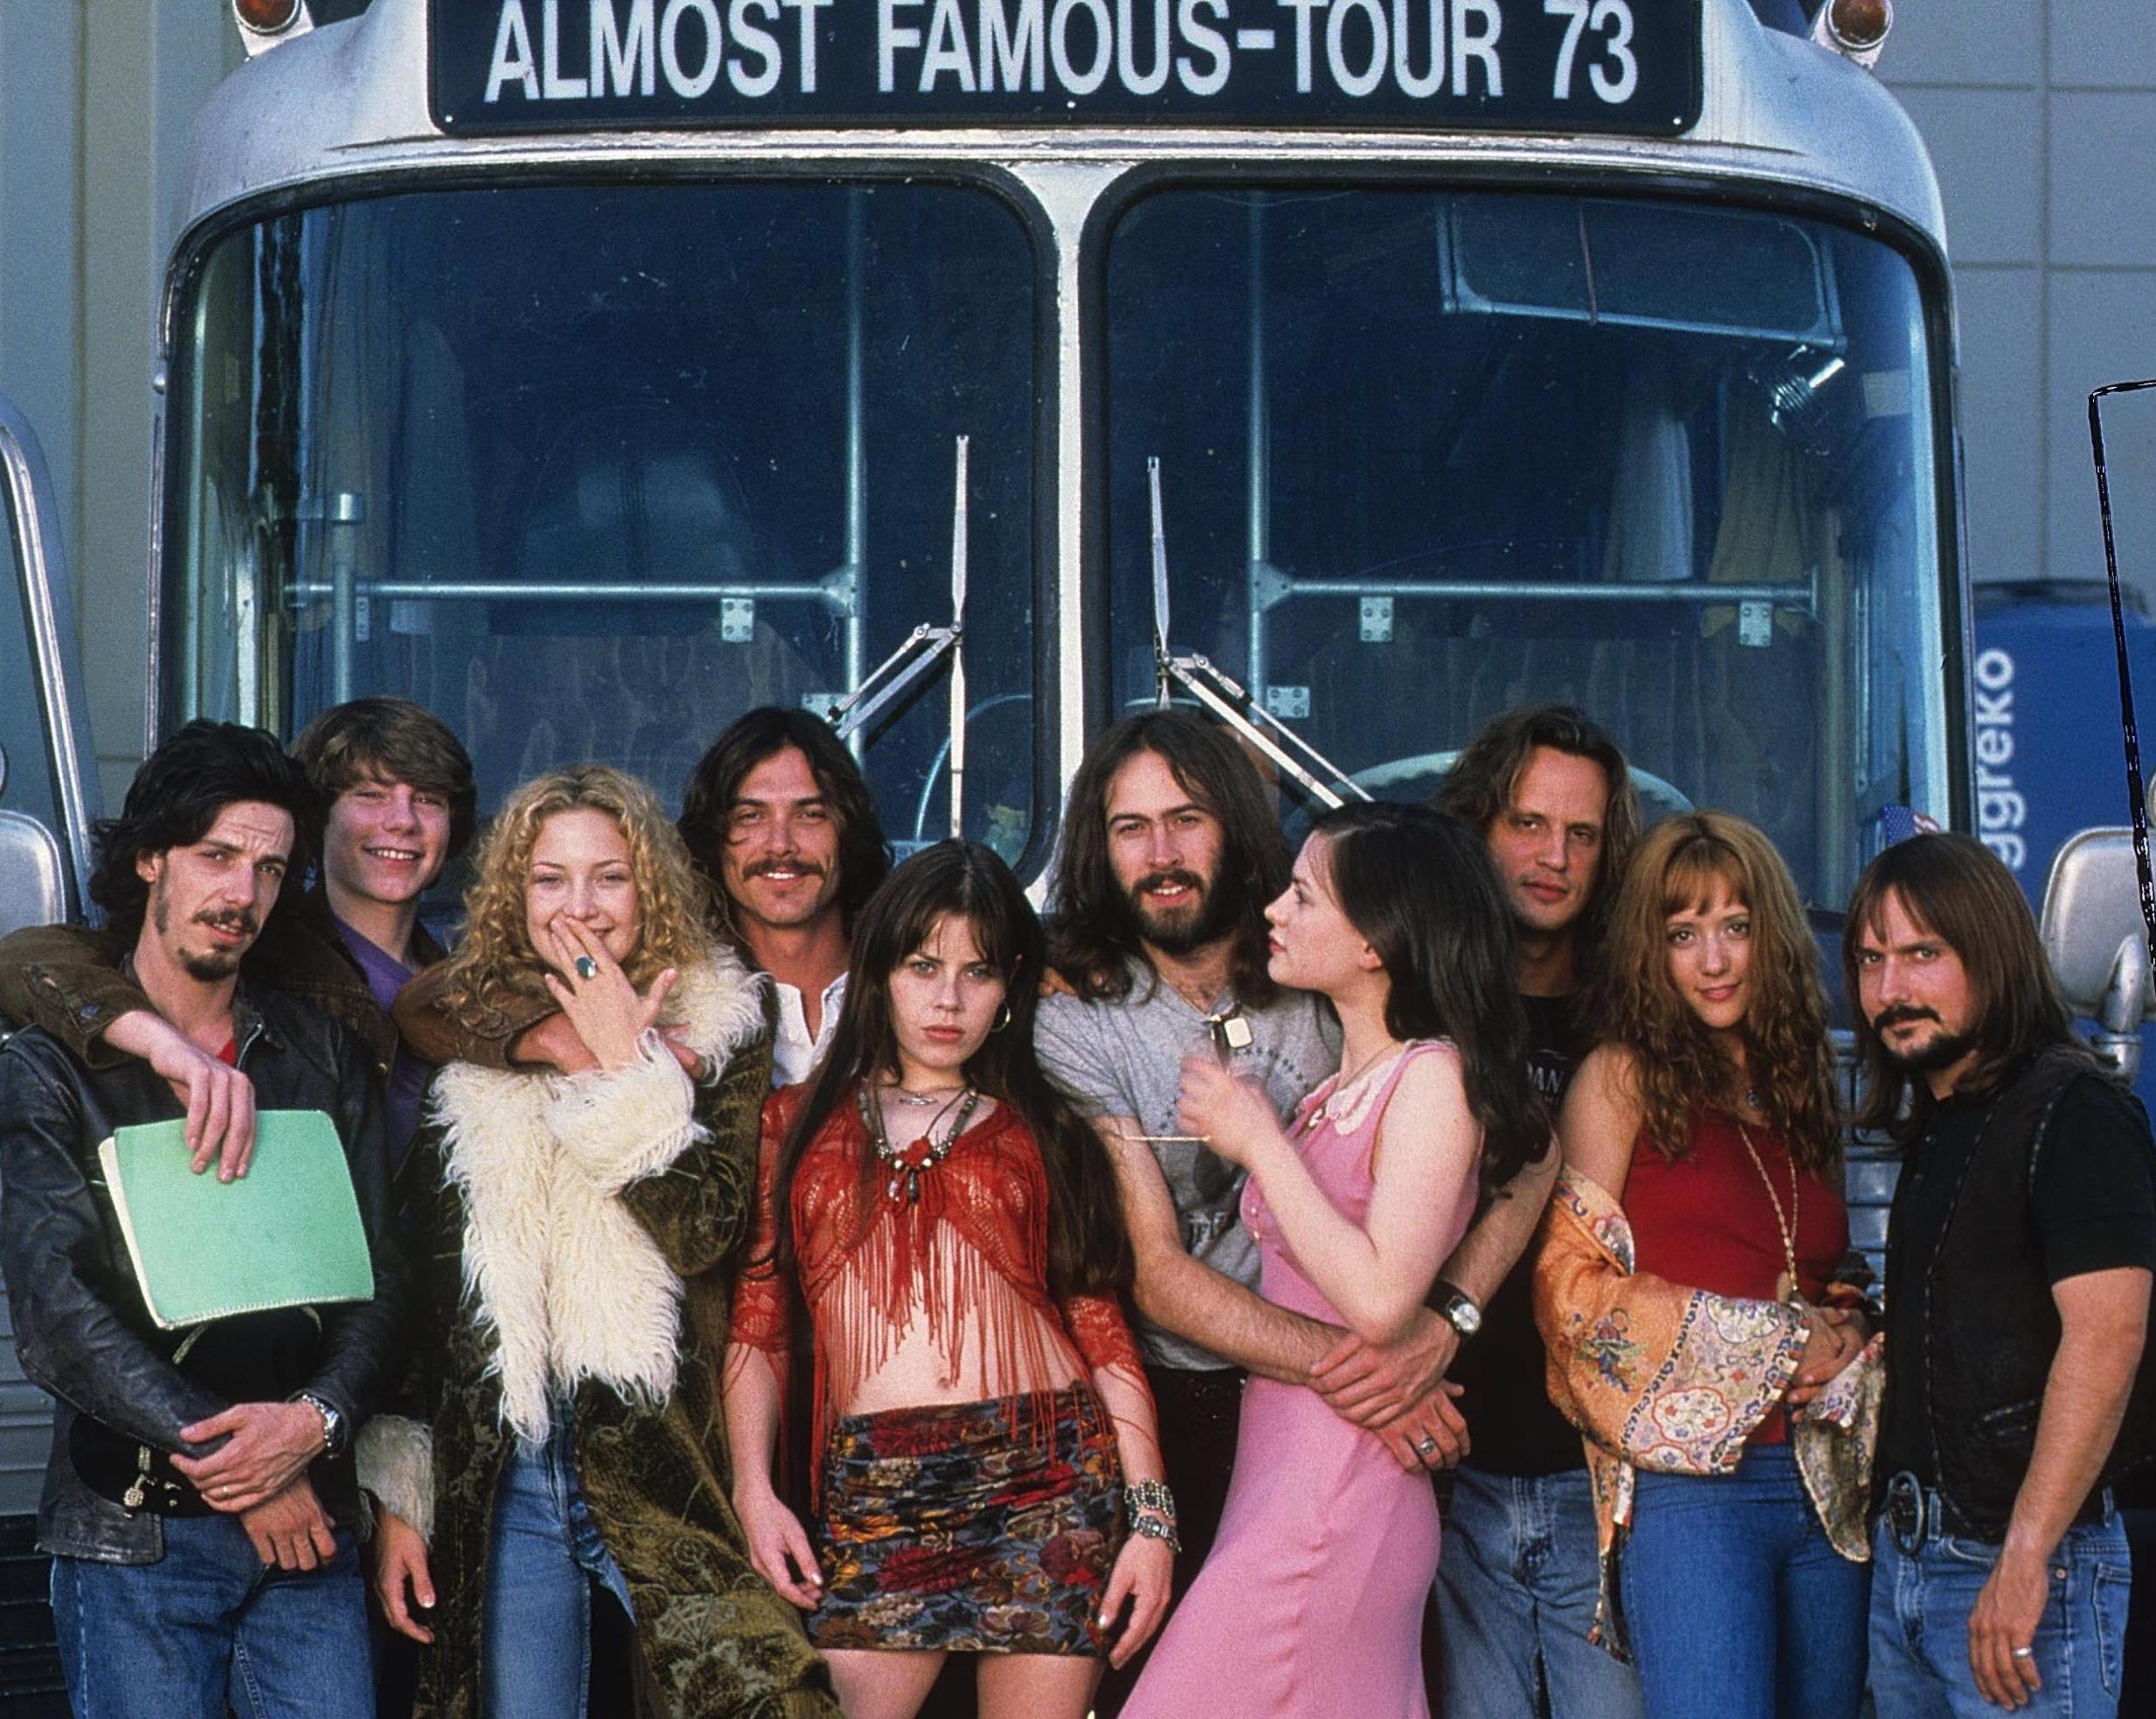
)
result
[(268, 17), (1860, 25)]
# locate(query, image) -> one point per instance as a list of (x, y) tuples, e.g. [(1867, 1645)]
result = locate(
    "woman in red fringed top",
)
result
[(981, 1418)]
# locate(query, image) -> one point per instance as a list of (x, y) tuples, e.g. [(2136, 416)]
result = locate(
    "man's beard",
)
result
[(207, 966), (1944, 1052), (1182, 931), (210, 965)]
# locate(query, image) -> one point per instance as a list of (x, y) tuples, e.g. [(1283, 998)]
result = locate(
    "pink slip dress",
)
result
[(1311, 1602)]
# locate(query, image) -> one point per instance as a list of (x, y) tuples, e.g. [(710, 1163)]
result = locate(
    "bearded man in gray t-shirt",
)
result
[(1171, 853)]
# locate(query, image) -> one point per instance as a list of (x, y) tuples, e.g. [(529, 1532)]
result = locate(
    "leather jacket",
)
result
[(81, 1329)]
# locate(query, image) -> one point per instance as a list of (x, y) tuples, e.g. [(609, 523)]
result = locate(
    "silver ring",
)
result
[(1426, 1446), (2024, 1653), (586, 968)]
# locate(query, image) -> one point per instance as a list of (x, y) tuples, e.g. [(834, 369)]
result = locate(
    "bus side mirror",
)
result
[(2098, 944), (32, 881)]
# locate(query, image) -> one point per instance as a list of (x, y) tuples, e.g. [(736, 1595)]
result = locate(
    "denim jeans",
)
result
[(1920, 1608), (544, 1554), (210, 1625), (1516, 1595), (1739, 1605)]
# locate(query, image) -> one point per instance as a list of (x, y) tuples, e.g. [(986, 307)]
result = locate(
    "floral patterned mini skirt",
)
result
[(971, 1528)]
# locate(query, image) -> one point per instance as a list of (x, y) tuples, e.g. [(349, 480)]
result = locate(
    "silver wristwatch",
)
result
[(1459, 1311), (333, 1427)]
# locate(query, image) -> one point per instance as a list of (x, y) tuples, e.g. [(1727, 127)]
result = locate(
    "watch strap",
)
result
[(1459, 1310), (335, 1432)]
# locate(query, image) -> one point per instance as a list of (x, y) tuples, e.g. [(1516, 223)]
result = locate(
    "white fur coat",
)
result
[(556, 1268)]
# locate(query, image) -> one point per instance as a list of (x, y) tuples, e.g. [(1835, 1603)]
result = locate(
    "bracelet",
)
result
[(332, 1422), (1152, 1512), (1150, 1495), (1151, 1527)]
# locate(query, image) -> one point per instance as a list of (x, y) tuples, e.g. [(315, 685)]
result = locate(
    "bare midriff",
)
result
[(990, 1342)]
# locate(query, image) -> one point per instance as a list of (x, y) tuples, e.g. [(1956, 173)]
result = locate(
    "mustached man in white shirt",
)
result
[(777, 814)]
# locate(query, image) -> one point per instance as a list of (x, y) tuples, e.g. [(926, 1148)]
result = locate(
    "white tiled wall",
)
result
[(2040, 115)]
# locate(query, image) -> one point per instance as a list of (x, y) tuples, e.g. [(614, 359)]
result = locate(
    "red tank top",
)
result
[(1705, 1221)]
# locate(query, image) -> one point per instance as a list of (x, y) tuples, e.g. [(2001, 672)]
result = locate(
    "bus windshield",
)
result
[(589, 470), (1429, 455)]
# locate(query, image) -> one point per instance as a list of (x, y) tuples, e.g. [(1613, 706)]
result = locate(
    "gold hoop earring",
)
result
[(1003, 1018)]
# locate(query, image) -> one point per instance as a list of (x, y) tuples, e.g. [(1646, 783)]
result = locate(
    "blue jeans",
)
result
[(1516, 1594), (1920, 1608), (1739, 1605), (210, 1625), (544, 1553)]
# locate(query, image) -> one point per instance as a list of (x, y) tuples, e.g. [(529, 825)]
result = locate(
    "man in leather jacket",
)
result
[(2020, 1254), (401, 805), (198, 1508)]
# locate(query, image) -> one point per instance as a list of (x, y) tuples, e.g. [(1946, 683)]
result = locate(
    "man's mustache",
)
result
[(1900, 1015), (1153, 880), (238, 921), (765, 867)]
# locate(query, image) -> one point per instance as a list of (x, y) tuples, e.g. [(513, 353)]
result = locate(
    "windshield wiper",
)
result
[(919, 652), (1224, 697)]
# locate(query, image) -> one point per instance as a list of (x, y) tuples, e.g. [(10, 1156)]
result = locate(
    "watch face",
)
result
[(1467, 1318)]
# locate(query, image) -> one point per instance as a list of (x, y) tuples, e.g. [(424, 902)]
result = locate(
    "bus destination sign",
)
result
[(1618, 66)]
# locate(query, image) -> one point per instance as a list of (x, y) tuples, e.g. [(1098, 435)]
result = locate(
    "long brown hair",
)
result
[(496, 960), (1477, 789), (1957, 890), (1677, 1067), (1093, 929), (1418, 885), (707, 798)]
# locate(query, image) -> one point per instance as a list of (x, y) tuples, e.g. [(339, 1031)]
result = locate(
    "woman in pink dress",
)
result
[(1311, 1602)]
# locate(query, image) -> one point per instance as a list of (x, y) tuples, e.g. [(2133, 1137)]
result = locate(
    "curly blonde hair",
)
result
[(1677, 1068), (676, 908)]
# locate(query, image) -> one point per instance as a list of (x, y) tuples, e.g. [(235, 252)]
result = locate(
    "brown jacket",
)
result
[(479, 1033)]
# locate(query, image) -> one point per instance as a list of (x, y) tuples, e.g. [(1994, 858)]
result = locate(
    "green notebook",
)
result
[(286, 1234)]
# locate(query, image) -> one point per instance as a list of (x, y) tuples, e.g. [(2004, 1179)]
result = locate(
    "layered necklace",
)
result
[(909, 1162)]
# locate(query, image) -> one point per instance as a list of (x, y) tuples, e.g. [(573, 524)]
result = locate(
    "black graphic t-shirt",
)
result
[(1514, 1430)]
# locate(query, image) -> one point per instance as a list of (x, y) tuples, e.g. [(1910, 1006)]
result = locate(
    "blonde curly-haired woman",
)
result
[(570, 1226)]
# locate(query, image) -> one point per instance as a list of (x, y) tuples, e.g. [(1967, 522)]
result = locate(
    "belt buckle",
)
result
[(1905, 1513)]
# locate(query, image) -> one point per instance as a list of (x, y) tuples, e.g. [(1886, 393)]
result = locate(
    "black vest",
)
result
[(1991, 1328)]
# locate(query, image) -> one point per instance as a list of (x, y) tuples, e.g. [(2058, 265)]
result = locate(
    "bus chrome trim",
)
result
[(47, 602), (350, 100)]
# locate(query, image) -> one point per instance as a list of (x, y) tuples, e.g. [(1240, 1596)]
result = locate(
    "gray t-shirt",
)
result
[(1126, 1059)]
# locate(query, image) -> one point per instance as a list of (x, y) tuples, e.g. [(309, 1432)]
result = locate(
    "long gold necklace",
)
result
[(1785, 1224)]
